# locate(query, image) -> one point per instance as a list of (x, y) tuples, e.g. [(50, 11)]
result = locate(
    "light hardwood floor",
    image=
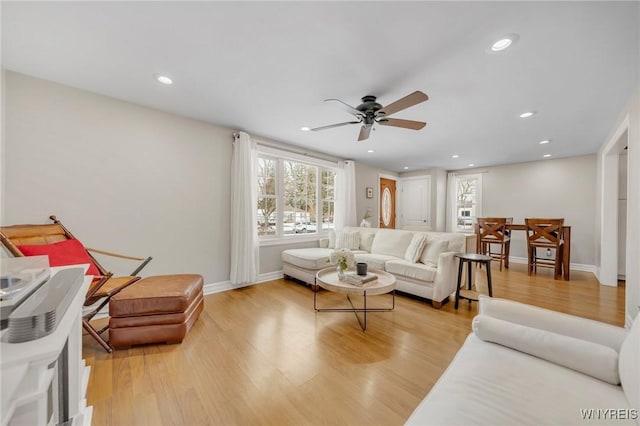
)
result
[(262, 356)]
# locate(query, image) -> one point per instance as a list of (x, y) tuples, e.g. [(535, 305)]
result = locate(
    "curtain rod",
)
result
[(292, 149)]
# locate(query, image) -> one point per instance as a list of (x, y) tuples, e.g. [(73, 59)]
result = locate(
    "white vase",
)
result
[(340, 273)]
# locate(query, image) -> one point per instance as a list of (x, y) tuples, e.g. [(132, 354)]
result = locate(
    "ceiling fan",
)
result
[(370, 112)]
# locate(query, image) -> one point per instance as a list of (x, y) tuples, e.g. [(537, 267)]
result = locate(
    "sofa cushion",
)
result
[(590, 358), (63, 253), (416, 271), (416, 246), (376, 261), (391, 242), (308, 258), (629, 365), (432, 251), (347, 240)]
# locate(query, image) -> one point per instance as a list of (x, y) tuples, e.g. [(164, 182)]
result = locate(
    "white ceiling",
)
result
[(266, 67)]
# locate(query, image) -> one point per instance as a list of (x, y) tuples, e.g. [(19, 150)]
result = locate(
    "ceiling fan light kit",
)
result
[(371, 112)]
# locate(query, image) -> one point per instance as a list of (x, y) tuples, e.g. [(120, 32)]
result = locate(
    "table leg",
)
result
[(488, 266), (566, 253), (459, 282)]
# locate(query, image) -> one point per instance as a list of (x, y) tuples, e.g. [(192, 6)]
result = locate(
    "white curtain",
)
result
[(345, 207), (244, 201), (452, 195)]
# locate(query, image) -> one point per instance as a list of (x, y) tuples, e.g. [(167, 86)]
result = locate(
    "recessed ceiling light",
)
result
[(164, 79), (305, 128), (370, 151), (504, 42), (527, 114), (406, 167), (471, 165), (547, 155), (544, 142), (455, 156)]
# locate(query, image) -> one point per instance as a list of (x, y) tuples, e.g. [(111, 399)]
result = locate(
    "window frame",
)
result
[(280, 156), (477, 204)]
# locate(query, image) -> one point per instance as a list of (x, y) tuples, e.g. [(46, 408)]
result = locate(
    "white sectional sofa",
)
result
[(427, 270), (524, 365)]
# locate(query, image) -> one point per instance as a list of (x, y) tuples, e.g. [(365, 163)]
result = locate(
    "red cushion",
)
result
[(63, 253)]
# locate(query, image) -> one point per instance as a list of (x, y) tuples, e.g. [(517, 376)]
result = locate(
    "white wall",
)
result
[(606, 226), (548, 188), (368, 176), (122, 177)]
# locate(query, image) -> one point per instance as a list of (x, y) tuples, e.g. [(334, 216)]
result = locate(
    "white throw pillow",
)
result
[(590, 358), (332, 240), (416, 246), (366, 239), (348, 240), (432, 251)]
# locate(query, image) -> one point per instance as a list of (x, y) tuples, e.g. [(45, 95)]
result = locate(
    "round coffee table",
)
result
[(327, 278)]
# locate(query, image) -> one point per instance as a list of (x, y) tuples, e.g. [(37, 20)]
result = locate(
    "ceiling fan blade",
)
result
[(404, 103), (331, 126), (346, 107), (364, 132), (397, 122)]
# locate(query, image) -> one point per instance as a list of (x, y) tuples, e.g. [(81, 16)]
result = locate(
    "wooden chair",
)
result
[(545, 234), (56, 241), (492, 231)]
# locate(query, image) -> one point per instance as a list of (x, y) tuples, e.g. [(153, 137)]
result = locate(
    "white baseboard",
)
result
[(226, 285), (574, 266)]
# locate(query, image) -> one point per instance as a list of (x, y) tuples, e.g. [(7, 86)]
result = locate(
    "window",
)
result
[(468, 201), (294, 196)]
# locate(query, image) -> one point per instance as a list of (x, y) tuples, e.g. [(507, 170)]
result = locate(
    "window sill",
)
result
[(291, 239)]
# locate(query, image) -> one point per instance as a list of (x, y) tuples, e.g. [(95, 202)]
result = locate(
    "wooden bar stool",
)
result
[(546, 234), (470, 258), (492, 231)]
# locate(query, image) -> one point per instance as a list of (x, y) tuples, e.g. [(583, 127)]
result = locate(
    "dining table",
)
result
[(566, 251)]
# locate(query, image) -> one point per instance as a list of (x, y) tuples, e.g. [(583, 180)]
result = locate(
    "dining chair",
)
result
[(492, 232), (545, 234)]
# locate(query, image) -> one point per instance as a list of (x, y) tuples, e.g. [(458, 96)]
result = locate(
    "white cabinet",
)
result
[(44, 381)]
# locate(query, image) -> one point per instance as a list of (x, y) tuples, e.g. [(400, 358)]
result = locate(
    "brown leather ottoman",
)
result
[(156, 309)]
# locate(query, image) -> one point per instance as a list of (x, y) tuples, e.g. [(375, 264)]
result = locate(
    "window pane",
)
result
[(266, 176), (300, 198), (328, 198), (266, 216), (266, 196), (466, 203)]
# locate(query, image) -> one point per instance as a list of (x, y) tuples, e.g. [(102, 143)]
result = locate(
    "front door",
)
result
[(387, 203)]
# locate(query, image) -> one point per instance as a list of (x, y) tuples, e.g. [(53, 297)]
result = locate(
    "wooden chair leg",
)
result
[(92, 331), (506, 255)]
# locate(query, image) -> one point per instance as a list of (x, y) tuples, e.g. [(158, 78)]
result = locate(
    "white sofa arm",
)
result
[(556, 322), (445, 280), (323, 243)]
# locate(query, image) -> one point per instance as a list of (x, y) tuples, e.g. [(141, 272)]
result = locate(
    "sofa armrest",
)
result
[(555, 322), (323, 243), (445, 280)]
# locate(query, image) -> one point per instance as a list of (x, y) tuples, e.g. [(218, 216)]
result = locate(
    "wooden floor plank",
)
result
[(261, 355)]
